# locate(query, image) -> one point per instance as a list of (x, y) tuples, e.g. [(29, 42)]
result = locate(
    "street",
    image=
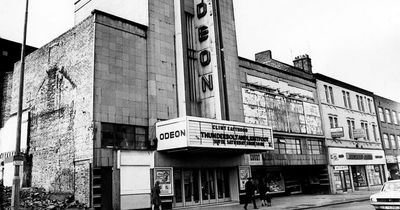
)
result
[(365, 205)]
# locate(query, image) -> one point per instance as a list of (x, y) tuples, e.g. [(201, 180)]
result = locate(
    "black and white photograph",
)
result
[(199, 104)]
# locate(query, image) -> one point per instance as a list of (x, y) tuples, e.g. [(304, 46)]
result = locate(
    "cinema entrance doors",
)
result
[(200, 186)]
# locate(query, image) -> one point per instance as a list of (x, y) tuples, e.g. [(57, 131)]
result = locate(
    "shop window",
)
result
[(393, 142), (387, 114), (293, 146), (374, 174), (315, 147), (359, 176), (381, 116), (386, 141), (124, 136)]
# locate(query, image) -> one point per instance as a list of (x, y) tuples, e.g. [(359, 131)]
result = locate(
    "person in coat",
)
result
[(155, 196), (250, 191)]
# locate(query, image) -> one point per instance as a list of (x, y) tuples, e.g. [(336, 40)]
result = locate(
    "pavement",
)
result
[(299, 201)]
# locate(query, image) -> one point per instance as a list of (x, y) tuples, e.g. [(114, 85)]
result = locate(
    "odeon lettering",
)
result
[(172, 134), (204, 55)]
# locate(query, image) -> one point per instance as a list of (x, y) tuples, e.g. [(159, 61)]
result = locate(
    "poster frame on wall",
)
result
[(244, 174), (167, 188)]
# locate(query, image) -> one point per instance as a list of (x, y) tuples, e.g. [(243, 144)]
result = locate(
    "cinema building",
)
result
[(356, 159)]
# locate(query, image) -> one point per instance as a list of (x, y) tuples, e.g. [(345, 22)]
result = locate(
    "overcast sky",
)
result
[(355, 41)]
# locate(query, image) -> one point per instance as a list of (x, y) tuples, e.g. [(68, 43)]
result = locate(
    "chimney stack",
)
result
[(303, 62), (264, 57)]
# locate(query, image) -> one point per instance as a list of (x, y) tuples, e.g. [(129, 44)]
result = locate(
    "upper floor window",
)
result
[(381, 116), (329, 94), (360, 103), (386, 141), (387, 114), (374, 132), (395, 120), (398, 118), (393, 141), (344, 99), (398, 140), (364, 126), (124, 136), (370, 105), (293, 146), (333, 121), (350, 128), (348, 99), (315, 147)]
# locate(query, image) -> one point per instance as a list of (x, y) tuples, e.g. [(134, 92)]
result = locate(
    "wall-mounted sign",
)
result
[(348, 156), (208, 59), (194, 132), (255, 159), (337, 132), (244, 173), (164, 176), (391, 159), (359, 133), (340, 168)]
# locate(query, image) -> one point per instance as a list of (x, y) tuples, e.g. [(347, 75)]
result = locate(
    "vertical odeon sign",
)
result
[(207, 59)]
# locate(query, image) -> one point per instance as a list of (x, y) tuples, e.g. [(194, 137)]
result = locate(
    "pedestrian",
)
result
[(262, 188), (155, 197), (268, 197), (250, 191)]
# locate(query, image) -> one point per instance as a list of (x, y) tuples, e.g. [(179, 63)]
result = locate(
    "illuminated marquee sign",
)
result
[(186, 132), (207, 57)]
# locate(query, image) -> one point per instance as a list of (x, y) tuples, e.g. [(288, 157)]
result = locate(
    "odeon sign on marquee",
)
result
[(193, 132)]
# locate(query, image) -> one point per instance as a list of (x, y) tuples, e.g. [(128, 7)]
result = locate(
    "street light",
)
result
[(17, 156)]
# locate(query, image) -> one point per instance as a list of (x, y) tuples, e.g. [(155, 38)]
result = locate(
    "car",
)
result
[(388, 197)]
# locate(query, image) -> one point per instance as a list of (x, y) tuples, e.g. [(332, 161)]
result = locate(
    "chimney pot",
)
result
[(303, 62)]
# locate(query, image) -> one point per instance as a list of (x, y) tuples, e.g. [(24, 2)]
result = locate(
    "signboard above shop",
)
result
[(359, 133), (337, 132), (193, 132)]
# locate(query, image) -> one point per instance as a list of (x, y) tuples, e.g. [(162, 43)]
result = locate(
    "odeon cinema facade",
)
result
[(200, 156)]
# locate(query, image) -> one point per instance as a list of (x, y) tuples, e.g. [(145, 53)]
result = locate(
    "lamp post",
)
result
[(18, 157)]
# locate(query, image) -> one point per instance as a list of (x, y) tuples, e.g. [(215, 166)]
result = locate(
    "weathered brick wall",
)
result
[(6, 97), (58, 92)]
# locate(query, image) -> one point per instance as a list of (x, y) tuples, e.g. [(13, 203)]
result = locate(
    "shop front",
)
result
[(393, 166), (205, 157), (356, 169)]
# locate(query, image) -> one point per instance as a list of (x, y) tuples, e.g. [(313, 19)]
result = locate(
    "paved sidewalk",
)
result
[(299, 201)]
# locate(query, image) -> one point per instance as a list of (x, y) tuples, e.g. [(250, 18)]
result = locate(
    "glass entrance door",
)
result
[(200, 186)]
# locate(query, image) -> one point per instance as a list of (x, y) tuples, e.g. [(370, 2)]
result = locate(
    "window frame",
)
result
[(388, 116)]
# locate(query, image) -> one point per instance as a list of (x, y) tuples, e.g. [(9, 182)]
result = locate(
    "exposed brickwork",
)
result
[(58, 94)]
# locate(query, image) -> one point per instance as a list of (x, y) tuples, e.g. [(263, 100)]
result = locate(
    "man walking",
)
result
[(250, 190)]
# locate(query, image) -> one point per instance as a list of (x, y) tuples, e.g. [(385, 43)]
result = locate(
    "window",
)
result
[(387, 114), (393, 142), (394, 117), (124, 136), (369, 106), (348, 99), (280, 146), (386, 141), (350, 127), (315, 147), (362, 104), (381, 116), (358, 103), (333, 121), (398, 118), (344, 99), (331, 93), (293, 146), (364, 125), (327, 94), (398, 140), (374, 132)]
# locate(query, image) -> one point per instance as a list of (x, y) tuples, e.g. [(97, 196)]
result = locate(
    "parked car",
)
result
[(388, 197)]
